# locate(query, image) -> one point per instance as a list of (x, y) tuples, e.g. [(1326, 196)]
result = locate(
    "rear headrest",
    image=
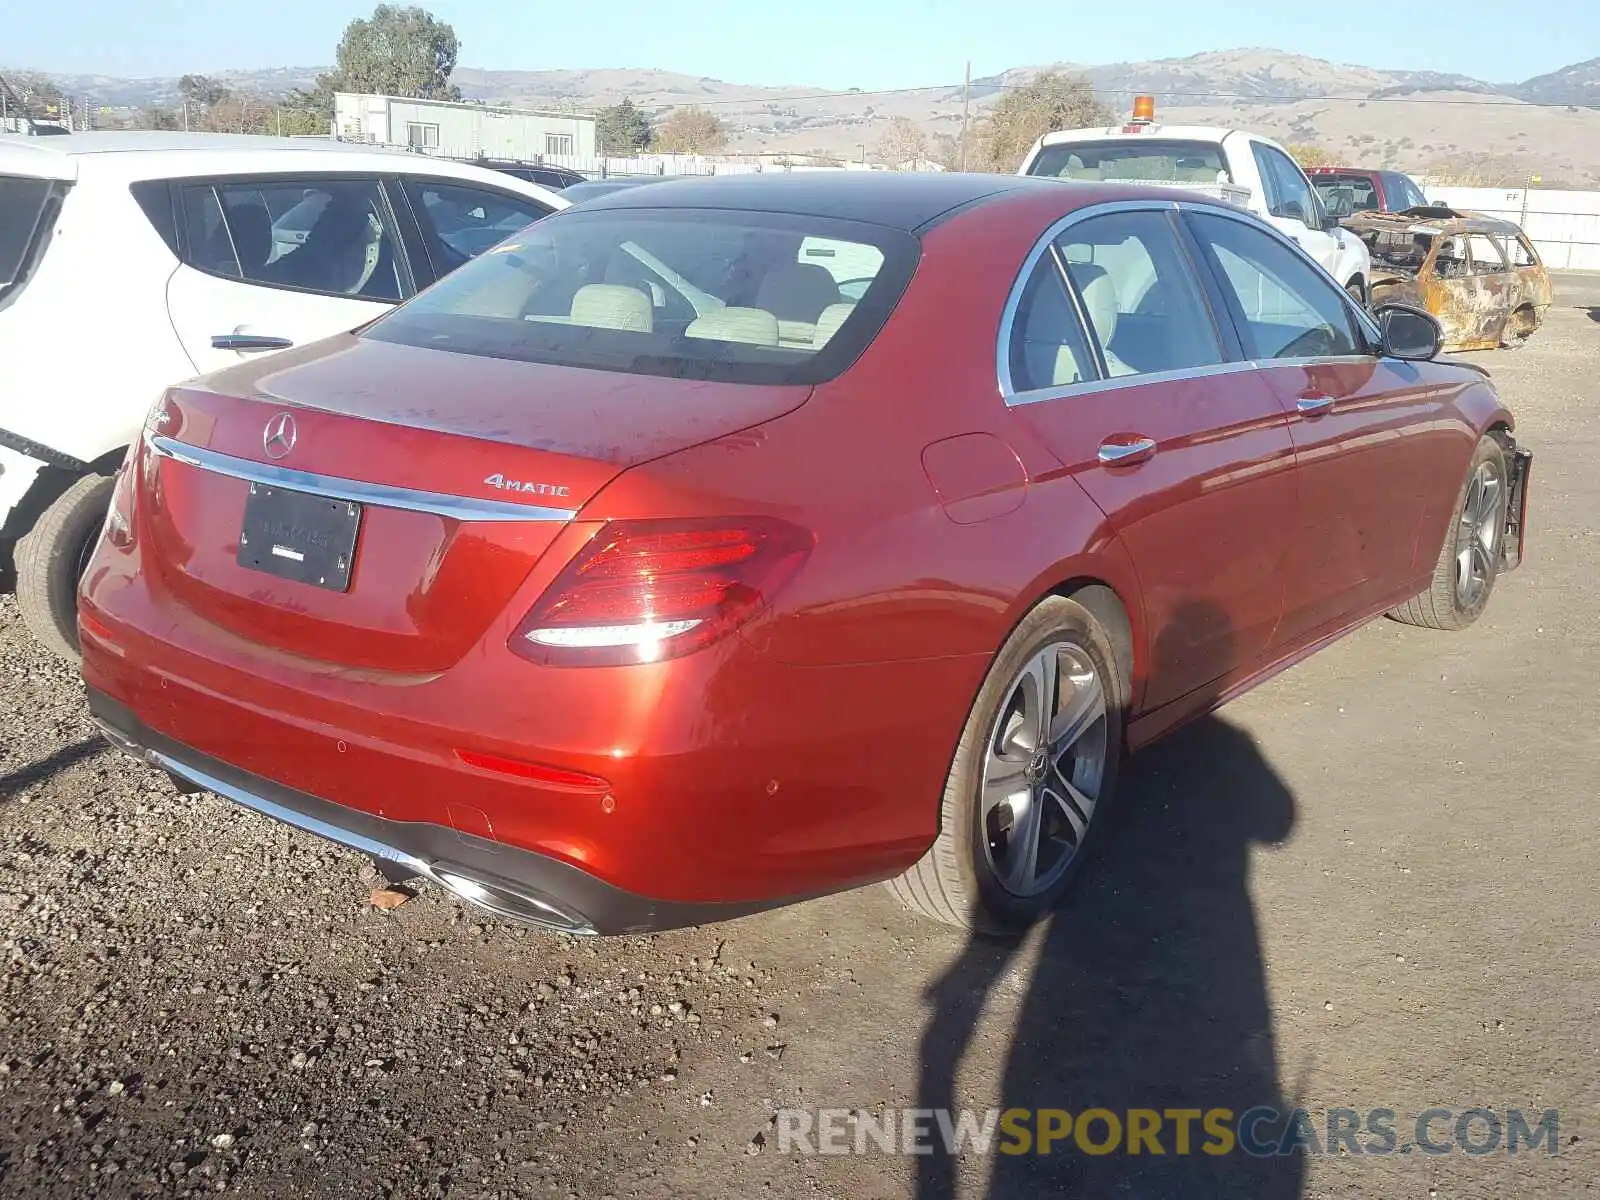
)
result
[(797, 291), (252, 235), (1099, 298), (751, 326), (828, 323), (612, 306)]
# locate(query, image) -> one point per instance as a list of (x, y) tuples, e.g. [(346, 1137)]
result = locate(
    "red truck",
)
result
[(1345, 191)]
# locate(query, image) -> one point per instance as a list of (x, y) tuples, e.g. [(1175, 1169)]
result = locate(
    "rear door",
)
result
[(1357, 425), (274, 262), (1499, 286), (1177, 440)]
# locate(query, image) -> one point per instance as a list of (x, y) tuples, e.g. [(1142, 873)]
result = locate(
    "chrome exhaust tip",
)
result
[(510, 903)]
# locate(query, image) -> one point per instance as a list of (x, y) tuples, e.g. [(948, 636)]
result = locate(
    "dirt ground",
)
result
[(1369, 884)]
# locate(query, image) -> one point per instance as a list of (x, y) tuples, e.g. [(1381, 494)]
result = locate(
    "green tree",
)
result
[(1047, 102), (398, 51), (691, 130), (622, 130), (202, 91)]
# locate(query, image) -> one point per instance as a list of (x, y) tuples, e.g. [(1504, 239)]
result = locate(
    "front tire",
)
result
[(51, 558), (1037, 762), (1469, 561)]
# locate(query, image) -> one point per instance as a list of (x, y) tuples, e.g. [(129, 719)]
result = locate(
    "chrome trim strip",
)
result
[(288, 816), (1017, 399), (457, 508)]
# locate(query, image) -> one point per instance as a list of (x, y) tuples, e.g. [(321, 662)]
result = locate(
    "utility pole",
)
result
[(966, 108)]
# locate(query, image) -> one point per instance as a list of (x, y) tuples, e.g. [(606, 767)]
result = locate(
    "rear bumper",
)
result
[(511, 882)]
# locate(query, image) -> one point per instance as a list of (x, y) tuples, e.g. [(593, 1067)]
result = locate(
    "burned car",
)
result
[(1480, 276)]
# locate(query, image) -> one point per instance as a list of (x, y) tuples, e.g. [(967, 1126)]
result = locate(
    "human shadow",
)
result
[(38, 772), (1149, 990)]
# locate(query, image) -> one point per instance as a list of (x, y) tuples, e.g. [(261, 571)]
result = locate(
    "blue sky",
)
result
[(825, 43)]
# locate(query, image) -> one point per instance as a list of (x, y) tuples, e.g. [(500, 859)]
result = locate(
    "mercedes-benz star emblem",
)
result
[(278, 438)]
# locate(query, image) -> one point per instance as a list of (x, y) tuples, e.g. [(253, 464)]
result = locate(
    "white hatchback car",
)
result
[(132, 261)]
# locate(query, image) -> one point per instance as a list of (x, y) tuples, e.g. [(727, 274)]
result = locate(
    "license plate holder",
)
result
[(295, 535)]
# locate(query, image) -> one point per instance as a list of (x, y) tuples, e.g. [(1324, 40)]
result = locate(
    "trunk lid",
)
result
[(441, 454)]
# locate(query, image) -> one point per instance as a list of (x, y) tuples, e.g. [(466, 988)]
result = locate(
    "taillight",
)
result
[(119, 515), (643, 591)]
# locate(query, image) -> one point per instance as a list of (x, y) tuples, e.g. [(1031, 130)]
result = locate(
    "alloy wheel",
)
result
[(1043, 770), (1478, 534)]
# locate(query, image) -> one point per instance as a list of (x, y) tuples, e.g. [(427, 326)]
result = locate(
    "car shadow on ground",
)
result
[(1594, 313), (1149, 990), (38, 772)]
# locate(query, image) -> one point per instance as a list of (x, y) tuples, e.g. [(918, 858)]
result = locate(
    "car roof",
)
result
[(1436, 220), (130, 156), (900, 200)]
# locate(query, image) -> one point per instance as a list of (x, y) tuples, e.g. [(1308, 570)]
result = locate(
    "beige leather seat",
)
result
[(829, 320), (748, 326), (1100, 301), (612, 306)]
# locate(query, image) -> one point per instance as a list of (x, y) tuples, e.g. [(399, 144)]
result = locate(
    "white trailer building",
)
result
[(459, 130)]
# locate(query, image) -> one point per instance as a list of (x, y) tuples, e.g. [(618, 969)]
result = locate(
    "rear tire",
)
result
[(1469, 560), (979, 873), (51, 558)]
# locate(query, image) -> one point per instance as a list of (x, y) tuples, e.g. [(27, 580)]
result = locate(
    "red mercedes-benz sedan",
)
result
[(727, 542)]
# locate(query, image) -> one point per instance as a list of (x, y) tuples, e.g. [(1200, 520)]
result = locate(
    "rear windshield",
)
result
[(1345, 194), (688, 293), (1137, 160), (28, 209)]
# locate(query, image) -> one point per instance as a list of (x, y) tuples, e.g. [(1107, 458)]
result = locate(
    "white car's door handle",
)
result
[(245, 343)]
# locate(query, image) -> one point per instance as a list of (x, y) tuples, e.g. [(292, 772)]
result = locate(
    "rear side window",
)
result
[(736, 296), (28, 211), (330, 236), (1139, 292), (1048, 348), (460, 222)]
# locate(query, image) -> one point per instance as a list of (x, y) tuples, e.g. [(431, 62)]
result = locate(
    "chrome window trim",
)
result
[(457, 508), (1013, 397), (1016, 399)]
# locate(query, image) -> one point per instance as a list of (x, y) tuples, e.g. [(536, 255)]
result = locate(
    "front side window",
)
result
[(1289, 195), (461, 222), (1284, 307), (1406, 194), (1145, 306), (686, 293), (1143, 160), (1450, 259), (334, 237)]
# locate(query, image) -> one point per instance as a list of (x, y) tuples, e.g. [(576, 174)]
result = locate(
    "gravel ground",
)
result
[(1368, 884)]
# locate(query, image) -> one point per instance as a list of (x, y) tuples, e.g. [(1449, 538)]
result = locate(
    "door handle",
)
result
[(244, 343), (1124, 452), (1313, 406)]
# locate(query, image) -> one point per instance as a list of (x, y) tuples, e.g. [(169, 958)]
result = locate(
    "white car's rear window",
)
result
[(28, 209)]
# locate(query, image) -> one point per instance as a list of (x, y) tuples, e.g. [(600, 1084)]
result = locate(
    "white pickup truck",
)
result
[(1242, 168)]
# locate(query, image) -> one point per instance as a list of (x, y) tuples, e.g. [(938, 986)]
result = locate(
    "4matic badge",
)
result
[(499, 481)]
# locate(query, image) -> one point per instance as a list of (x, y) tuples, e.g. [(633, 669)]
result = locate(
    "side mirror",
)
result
[(1408, 333), (1330, 221)]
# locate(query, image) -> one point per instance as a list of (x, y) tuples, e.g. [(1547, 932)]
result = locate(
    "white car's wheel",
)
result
[(51, 558)]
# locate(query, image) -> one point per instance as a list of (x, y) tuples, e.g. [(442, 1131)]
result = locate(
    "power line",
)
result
[(1247, 97)]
